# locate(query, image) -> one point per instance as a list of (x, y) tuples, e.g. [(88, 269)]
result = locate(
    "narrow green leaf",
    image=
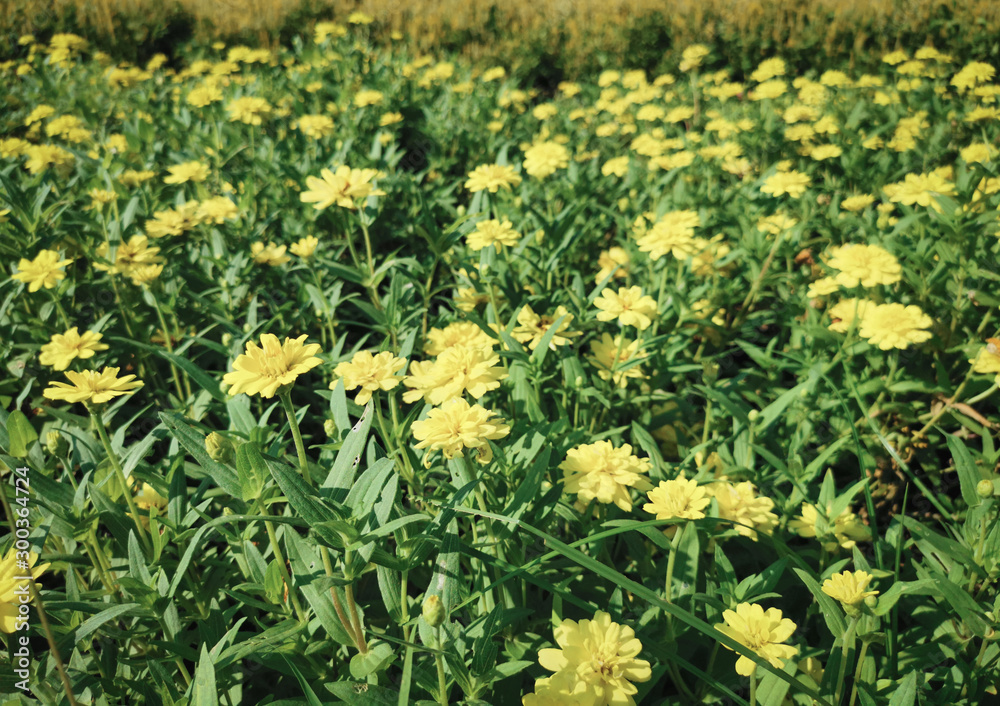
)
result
[(906, 692), (968, 474), (91, 624), (828, 607), (21, 433), (194, 443), (203, 687)]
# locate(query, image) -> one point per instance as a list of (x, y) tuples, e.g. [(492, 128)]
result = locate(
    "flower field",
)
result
[(339, 374)]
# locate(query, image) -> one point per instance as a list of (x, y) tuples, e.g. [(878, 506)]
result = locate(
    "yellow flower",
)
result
[(823, 287), (895, 326), (792, 183), (629, 306), (618, 166), (264, 369), (369, 372), (315, 126), (562, 689), (93, 387), (367, 97), (456, 426), (678, 498), (492, 177), (9, 602), (673, 233), (762, 632), (305, 247), (544, 158), (147, 498), (692, 56), (144, 274), (846, 311), (128, 256), (269, 254), (467, 299), (492, 232), (44, 271), (41, 157), (60, 351), (390, 118), (857, 203), (605, 473), (248, 109), (864, 265), (768, 69), (533, 327), (844, 531), (849, 587), (610, 355), (217, 209), (459, 369), (608, 260), (459, 333), (601, 653), (987, 360), (341, 187), (920, 189), (740, 504), (188, 171)]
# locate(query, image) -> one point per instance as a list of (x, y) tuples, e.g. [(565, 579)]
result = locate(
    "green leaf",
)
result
[(261, 644), (203, 687), (828, 607), (906, 692), (197, 373), (968, 474), (301, 496), (375, 660), (341, 476), (967, 608), (252, 471), (311, 698), (21, 433), (91, 624), (194, 443)]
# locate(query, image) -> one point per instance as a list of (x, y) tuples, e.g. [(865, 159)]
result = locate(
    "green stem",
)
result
[(439, 662), (845, 651), (170, 349), (753, 689), (300, 449), (857, 671), (101, 432), (272, 536)]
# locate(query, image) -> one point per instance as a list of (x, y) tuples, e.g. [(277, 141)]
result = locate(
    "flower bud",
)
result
[(871, 601), (219, 448), (984, 489), (752, 415), (227, 338), (434, 612), (56, 444), (330, 427)]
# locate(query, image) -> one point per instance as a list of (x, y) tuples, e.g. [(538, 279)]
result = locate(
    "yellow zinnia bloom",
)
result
[(269, 254), (987, 360), (532, 327), (629, 306), (491, 177), (459, 333), (608, 359), (544, 158), (92, 387), (679, 498), (762, 632), (608, 260), (341, 187), (740, 504), (456, 426), (603, 472), (864, 265), (459, 369), (265, 368), (188, 171), (369, 372), (849, 587), (895, 326), (9, 601), (305, 247), (601, 653), (44, 271), (60, 351), (492, 232), (792, 183)]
